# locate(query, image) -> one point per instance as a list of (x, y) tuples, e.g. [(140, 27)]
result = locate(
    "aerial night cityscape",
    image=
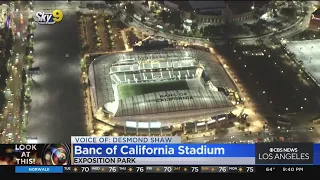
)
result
[(208, 71)]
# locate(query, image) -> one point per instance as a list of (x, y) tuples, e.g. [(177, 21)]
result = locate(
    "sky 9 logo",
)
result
[(49, 18)]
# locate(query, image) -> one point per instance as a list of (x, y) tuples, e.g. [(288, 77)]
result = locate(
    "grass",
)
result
[(129, 90)]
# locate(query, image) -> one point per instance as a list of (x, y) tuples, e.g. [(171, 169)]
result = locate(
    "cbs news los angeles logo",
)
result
[(49, 18)]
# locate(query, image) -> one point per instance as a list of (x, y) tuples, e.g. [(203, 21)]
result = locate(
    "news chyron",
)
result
[(61, 154), (35, 154)]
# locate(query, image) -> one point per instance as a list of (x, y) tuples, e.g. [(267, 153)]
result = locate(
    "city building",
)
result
[(314, 23), (151, 91), (218, 12), (4, 16), (5, 24)]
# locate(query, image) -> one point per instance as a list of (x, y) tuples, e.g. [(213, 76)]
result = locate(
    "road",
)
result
[(299, 133), (12, 114), (57, 107), (290, 30)]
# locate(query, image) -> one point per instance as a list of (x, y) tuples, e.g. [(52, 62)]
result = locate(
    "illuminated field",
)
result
[(129, 90), (308, 52)]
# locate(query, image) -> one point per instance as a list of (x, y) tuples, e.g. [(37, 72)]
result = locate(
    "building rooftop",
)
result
[(239, 7), (207, 4), (172, 101), (203, 7)]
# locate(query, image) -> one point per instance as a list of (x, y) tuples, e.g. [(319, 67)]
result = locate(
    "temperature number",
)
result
[(85, 169), (167, 169)]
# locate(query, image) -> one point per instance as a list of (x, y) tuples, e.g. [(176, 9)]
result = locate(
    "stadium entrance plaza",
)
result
[(163, 75)]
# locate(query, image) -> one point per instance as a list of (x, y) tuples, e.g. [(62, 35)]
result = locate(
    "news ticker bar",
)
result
[(160, 154), (156, 169)]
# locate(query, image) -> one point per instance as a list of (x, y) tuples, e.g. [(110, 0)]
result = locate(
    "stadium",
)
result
[(158, 90), (314, 23)]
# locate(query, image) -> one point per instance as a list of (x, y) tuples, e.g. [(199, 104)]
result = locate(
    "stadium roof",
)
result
[(317, 12), (171, 101), (102, 85)]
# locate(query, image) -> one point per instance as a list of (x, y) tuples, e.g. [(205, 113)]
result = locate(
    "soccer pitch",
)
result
[(129, 90)]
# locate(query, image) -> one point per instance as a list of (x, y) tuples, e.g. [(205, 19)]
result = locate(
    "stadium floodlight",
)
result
[(32, 141), (155, 124), (201, 124), (143, 125), (131, 124), (211, 121)]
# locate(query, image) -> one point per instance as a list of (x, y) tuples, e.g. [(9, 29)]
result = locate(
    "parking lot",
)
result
[(116, 28), (308, 53), (275, 85), (101, 33), (88, 32)]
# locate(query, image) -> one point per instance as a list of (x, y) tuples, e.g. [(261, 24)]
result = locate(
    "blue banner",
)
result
[(163, 150), (316, 154)]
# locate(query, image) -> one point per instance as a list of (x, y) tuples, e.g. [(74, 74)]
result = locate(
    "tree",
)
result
[(29, 60), (30, 44), (201, 30), (2, 100), (193, 16), (33, 26), (143, 18), (27, 100), (194, 26), (129, 19), (23, 77), (130, 9), (85, 86), (118, 13), (289, 13), (153, 9), (31, 19), (83, 66), (85, 47), (23, 89), (164, 16), (175, 19)]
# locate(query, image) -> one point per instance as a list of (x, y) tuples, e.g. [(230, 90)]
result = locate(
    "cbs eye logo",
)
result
[(49, 18), (56, 154)]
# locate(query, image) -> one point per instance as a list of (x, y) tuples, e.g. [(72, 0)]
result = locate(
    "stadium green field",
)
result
[(129, 90)]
